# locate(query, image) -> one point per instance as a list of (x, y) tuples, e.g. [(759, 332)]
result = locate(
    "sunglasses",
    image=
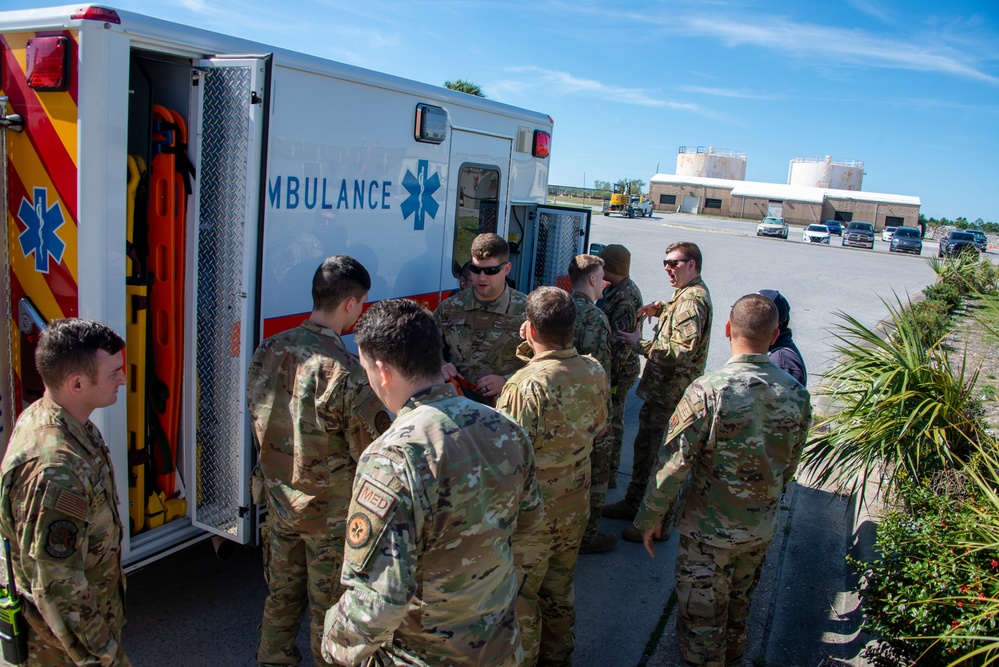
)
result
[(673, 263), (488, 270)]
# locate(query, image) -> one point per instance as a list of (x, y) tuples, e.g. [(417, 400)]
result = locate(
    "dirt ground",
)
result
[(976, 336)]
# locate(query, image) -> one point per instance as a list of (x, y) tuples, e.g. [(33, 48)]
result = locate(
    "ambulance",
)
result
[(182, 186)]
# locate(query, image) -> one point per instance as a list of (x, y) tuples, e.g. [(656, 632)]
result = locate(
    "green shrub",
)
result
[(930, 597), (898, 405), (944, 292), (932, 321)]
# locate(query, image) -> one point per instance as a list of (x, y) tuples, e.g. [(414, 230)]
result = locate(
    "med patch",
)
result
[(375, 497), (61, 539)]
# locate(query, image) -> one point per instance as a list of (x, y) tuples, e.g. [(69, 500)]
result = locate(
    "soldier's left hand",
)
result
[(648, 536)]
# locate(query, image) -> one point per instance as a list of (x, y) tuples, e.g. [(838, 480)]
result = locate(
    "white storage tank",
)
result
[(827, 172), (709, 162)]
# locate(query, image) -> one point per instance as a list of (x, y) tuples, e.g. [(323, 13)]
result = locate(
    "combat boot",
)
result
[(622, 509), (598, 543)]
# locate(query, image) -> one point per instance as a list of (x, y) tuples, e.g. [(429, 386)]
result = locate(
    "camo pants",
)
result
[(546, 607), (714, 588), (615, 426), (600, 467), (301, 571)]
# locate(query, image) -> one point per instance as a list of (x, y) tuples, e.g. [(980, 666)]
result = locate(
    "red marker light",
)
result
[(97, 14), (48, 59), (542, 144)]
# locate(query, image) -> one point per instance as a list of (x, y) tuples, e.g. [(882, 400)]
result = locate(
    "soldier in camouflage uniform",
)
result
[(561, 399), (481, 326), (437, 502), (313, 414), (676, 356), (59, 505), (621, 301), (592, 336), (738, 432)]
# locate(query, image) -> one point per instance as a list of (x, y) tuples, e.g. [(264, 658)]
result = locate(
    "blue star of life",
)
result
[(41, 234), (421, 188)]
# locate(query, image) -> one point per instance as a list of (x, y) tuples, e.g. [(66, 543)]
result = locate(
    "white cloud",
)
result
[(728, 92)]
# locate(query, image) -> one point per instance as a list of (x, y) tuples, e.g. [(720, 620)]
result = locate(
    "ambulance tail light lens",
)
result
[(542, 144), (431, 124), (97, 14), (48, 63)]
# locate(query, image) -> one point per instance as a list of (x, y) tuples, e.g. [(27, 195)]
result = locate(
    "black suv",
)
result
[(906, 239), (957, 243)]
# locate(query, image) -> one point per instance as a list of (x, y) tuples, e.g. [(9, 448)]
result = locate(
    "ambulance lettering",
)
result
[(290, 192), (41, 229)]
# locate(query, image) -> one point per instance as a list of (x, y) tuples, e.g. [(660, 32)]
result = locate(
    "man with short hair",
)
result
[(560, 398), (438, 501), (784, 353), (313, 414), (480, 326), (592, 336), (675, 357), (738, 432), (59, 504), (621, 301)]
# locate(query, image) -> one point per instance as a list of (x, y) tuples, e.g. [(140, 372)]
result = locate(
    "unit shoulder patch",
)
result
[(61, 539), (371, 509), (358, 530)]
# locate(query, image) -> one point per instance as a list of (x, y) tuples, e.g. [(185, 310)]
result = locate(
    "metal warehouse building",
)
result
[(805, 200)]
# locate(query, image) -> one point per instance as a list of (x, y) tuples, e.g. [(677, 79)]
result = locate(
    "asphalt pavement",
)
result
[(194, 610)]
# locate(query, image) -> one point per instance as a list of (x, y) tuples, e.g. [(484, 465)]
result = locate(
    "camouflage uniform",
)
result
[(313, 414), (621, 303), (676, 356), (741, 430), (481, 338), (429, 566), (593, 337), (59, 509), (560, 398)]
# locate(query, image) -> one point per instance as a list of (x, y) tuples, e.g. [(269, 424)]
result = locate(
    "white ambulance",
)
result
[(182, 186)]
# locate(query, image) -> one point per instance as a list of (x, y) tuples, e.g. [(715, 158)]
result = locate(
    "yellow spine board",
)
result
[(135, 352)]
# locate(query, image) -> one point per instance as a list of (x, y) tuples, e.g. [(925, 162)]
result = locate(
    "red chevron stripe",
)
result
[(38, 128), (59, 279)]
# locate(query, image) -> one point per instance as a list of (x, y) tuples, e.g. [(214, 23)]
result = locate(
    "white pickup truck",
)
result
[(641, 207)]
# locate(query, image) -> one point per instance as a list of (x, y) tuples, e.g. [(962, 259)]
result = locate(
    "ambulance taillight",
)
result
[(98, 14), (48, 63), (542, 144)]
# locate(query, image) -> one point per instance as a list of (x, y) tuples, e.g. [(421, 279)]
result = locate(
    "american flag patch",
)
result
[(72, 504)]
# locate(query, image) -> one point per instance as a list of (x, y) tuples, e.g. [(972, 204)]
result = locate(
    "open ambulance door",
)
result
[(552, 236), (229, 113), (478, 183), (7, 326)]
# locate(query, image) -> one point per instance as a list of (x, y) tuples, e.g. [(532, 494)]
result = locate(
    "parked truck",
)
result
[(625, 203), (182, 186)]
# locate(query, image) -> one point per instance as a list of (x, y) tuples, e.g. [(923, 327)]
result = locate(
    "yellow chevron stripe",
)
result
[(59, 107)]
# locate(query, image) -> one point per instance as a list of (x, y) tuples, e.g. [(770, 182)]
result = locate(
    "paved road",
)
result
[(190, 609)]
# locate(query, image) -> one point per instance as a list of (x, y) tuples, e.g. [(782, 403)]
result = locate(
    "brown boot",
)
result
[(598, 543), (622, 509), (632, 534)]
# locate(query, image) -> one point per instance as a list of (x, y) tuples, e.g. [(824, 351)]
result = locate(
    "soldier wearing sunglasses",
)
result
[(481, 325), (676, 355)]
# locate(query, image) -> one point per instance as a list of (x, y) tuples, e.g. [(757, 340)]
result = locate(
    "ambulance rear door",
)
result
[(478, 186), (229, 115)]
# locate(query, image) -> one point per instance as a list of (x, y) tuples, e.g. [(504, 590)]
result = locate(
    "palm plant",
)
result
[(898, 406)]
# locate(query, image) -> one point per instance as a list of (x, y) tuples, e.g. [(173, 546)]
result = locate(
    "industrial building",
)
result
[(713, 182)]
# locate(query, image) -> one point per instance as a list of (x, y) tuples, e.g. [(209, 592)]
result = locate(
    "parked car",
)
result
[(981, 240), (816, 234), (887, 233), (957, 243), (834, 227), (906, 239), (860, 234), (771, 226)]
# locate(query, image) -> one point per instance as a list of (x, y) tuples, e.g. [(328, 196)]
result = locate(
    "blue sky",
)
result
[(910, 87)]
